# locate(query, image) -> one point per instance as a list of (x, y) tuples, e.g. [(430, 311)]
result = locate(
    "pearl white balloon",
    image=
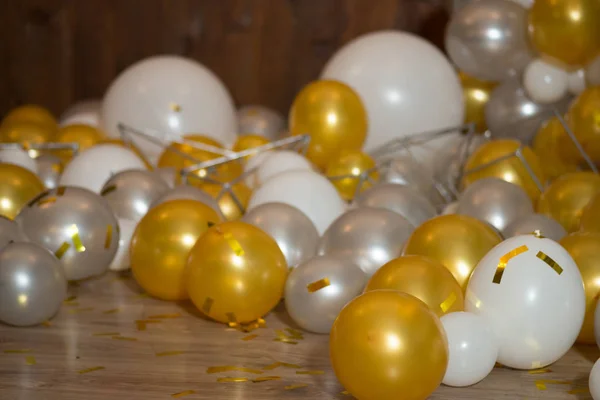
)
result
[(450, 208), (167, 97), (576, 81), (406, 84), (121, 260), (535, 312), (306, 190), (85, 112), (472, 349), (18, 157), (251, 167), (260, 120), (280, 161), (594, 381), (544, 82), (92, 167)]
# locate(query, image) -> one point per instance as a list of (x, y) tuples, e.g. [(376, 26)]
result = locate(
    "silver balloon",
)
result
[(398, 198), (547, 226), (495, 201), (191, 193), (368, 237), (293, 231), (510, 113), (260, 120), (75, 224), (404, 170), (130, 193), (48, 170), (317, 290), (32, 282), (9, 232), (121, 261), (169, 175), (488, 40)]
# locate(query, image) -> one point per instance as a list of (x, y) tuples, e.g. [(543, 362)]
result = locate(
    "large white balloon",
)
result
[(169, 96), (472, 348), (595, 381), (18, 157), (85, 112), (306, 190), (530, 291), (406, 84), (91, 168), (251, 168), (544, 82), (280, 161)]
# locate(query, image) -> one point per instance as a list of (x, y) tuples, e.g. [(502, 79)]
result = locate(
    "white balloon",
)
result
[(92, 167), (576, 81), (260, 120), (280, 161), (20, 157), (406, 84), (450, 208), (595, 381), (544, 82), (472, 349), (535, 311), (167, 97), (85, 112), (306, 190), (121, 260), (251, 167)]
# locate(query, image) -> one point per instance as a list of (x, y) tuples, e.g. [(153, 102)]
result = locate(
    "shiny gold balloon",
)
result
[(246, 142), (584, 247), (567, 31), (25, 132), (458, 242), (228, 206), (388, 345), (590, 217), (130, 146), (18, 186), (565, 199), (424, 278), (161, 244), (476, 94), (334, 117), (84, 135), (584, 119), (548, 146), (488, 162), (33, 114), (353, 165), (236, 273)]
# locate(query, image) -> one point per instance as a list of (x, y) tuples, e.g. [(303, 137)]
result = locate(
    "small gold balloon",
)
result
[(84, 135), (584, 247), (567, 31), (489, 161), (584, 120), (354, 165), (228, 206), (334, 117), (236, 273), (161, 244), (547, 145), (32, 114), (25, 133), (458, 242), (565, 199), (590, 217), (424, 278), (388, 345), (476, 94), (246, 142), (18, 186)]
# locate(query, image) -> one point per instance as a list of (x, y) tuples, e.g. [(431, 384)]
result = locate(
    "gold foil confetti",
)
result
[(111, 311), (147, 321), (106, 334), (579, 391), (17, 351), (165, 316), (70, 299), (232, 319), (540, 371), (504, 261), (182, 394), (47, 324), (318, 285), (249, 337), (538, 234), (230, 379), (266, 378), (227, 368), (79, 310), (108, 239), (48, 200), (281, 364), (108, 190), (60, 191), (79, 247), (553, 264), (170, 353), (294, 334), (285, 340), (345, 393), (313, 372), (30, 360), (175, 107), (56, 168), (62, 250), (207, 305), (131, 339), (296, 386), (233, 244), (541, 384), (92, 369), (141, 326), (449, 302)]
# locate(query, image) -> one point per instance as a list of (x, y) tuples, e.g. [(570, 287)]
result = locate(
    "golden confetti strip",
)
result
[(266, 378), (78, 310), (230, 379), (318, 285), (540, 385), (285, 340), (182, 394), (106, 334), (175, 107), (207, 305), (540, 371), (30, 360), (170, 353), (111, 311), (249, 337), (227, 368), (60, 191), (553, 264), (79, 247), (579, 391), (281, 364), (62, 250), (47, 324), (48, 200), (538, 234), (504, 261), (56, 168), (296, 386), (70, 299), (281, 334), (234, 244), (17, 351), (88, 370), (314, 372), (108, 190), (131, 339), (449, 302), (164, 316), (108, 239), (345, 393), (141, 326)]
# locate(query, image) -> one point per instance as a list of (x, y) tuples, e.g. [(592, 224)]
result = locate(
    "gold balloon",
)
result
[(476, 94), (84, 135), (547, 145), (228, 206), (584, 119), (25, 133), (18, 186), (565, 199), (388, 345), (33, 114), (590, 217), (487, 162), (458, 242), (236, 273), (334, 117), (567, 31), (161, 244), (246, 142), (583, 247), (424, 278), (353, 164)]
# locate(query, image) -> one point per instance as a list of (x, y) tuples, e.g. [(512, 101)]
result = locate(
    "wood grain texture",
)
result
[(157, 360), (55, 52)]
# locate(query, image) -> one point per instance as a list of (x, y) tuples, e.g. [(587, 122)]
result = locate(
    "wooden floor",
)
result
[(99, 347)]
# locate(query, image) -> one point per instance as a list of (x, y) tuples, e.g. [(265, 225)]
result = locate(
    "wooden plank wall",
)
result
[(55, 52)]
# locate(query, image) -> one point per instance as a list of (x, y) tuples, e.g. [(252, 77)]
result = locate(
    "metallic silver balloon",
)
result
[(495, 201), (317, 290), (398, 198), (368, 237), (293, 231), (130, 193), (32, 284), (510, 113), (168, 174), (77, 225), (260, 120), (488, 40), (191, 193), (404, 170), (9, 232), (49, 169), (121, 261), (547, 226)]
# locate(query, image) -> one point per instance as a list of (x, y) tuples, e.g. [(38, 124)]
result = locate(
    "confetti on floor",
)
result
[(296, 386), (182, 394), (92, 369), (30, 360)]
